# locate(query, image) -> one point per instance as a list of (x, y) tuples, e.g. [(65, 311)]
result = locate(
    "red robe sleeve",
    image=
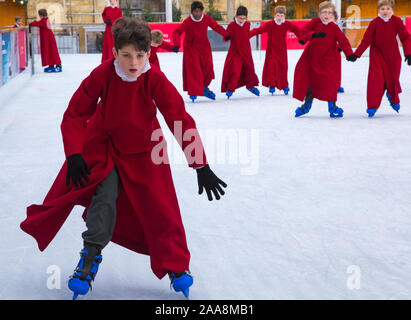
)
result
[(294, 29), (41, 23), (171, 105), (166, 46), (177, 33), (260, 30), (404, 36), (81, 107), (307, 30), (367, 40), (343, 42), (215, 26)]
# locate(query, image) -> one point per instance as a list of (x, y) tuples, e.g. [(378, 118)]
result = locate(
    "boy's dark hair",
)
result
[(131, 31), (197, 5), (42, 13), (242, 11)]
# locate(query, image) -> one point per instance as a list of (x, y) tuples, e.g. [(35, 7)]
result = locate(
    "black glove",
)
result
[(210, 182), (108, 22), (176, 48), (228, 37), (408, 59), (339, 49), (77, 170), (318, 35), (352, 57), (301, 42)]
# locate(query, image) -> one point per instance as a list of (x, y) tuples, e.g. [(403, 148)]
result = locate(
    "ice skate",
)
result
[(254, 90), (181, 281), (305, 108), (229, 94), (193, 98), (396, 107), (286, 90), (271, 90), (209, 94), (335, 112), (371, 112)]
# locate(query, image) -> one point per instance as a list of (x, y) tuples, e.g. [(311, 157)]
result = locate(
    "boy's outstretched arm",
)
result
[(367, 40), (405, 38), (182, 125)]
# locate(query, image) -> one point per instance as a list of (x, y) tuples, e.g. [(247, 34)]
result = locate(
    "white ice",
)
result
[(316, 208)]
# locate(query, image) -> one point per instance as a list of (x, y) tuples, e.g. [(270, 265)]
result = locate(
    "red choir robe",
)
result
[(48, 46), (122, 130), (198, 70), (385, 58), (318, 65), (110, 14), (276, 61), (153, 52), (239, 66)]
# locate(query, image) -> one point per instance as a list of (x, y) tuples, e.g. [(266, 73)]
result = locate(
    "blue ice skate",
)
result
[(271, 90), (193, 98), (335, 112), (286, 91), (305, 108), (49, 70), (85, 272), (396, 107), (209, 94), (340, 90), (59, 69), (371, 112), (181, 282), (254, 90), (229, 94)]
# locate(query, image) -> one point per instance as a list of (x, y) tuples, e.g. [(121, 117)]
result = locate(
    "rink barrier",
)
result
[(14, 55)]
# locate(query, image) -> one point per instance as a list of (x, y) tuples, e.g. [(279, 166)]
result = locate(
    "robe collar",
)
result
[(112, 6), (195, 20), (124, 76), (386, 19), (278, 23)]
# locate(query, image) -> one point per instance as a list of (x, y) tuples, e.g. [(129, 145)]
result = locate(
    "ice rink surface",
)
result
[(316, 208)]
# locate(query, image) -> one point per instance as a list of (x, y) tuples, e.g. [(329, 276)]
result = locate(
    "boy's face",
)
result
[(113, 2), (197, 13), (19, 22), (241, 19), (385, 11), (131, 60), (280, 17), (326, 15)]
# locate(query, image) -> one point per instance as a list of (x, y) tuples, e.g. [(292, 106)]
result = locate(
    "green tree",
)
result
[(215, 14), (148, 15), (176, 13), (311, 13), (267, 14), (127, 10), (290, 10)]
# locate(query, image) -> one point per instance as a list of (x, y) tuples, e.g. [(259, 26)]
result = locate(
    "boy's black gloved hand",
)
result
[(408, 59), (228, 37), (108, 22), (301, 42), (318, 35), (352, 57), (176, 48), (210, 182), (77, 170)]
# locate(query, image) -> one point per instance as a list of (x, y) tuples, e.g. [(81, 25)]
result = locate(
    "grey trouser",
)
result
[(101, 214)]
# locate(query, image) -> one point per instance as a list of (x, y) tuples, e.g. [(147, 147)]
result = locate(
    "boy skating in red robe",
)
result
[(385, 57), (276, 61), (49, 53), (239, 66), (198, 68), (117, 165), (316, 73), (157, 43), (110, 14)]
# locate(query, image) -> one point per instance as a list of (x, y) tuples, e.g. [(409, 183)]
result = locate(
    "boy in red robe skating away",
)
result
[(117, 165), (316, 73), (157, 43), (385, 57), (110, 14), (276, 61), (239, 66), (49, 53), (198, 68)]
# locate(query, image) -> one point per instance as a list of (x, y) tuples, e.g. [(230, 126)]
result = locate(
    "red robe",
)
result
[(198, 68), (318, 65), (239, 66), (153, 52), (385, 58), (111, 14), (276, 61), (48, 46), (122, 130)]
